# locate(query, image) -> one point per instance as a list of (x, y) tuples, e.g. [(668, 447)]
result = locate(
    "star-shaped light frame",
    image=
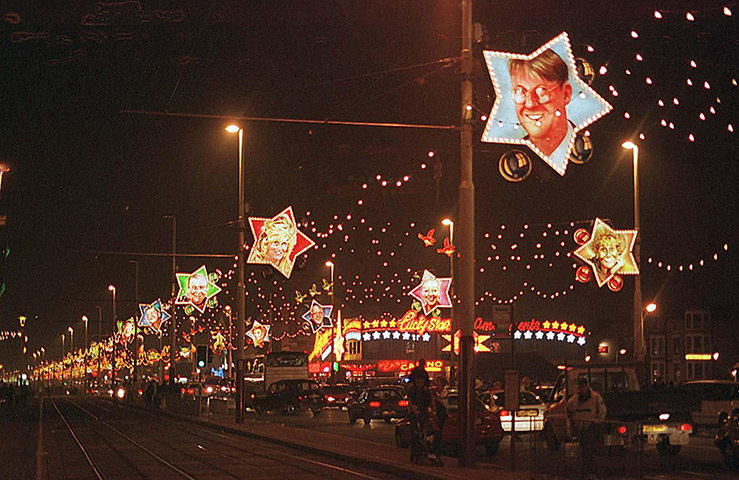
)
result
[(259, 333), (302, 242), (327, 322), (503, 126), (588, 252), (182, 280), (444, 300), (163, 316)]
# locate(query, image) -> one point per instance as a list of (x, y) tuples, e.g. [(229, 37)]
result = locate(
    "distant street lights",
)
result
[(240, 287), (639, 346)]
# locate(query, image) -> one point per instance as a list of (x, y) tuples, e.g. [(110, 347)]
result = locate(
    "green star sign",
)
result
[(196, 289)]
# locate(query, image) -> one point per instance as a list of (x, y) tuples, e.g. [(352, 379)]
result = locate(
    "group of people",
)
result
[(11, 395), (427, 408)]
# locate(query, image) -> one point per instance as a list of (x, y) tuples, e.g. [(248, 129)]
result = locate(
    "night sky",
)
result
[(87, 177)]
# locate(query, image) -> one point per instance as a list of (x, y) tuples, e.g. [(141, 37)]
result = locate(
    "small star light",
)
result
[(543, 115)]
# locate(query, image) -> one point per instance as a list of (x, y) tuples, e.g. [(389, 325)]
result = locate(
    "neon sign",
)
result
[(406, 366), (411, 322), (554, 330), (322, 343)]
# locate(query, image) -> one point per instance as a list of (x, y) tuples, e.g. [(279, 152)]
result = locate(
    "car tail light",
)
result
[(622, 429), (141, 392), (329, 398), (403, 403), (190, 391), (209, 390), (504, 413), (182, 391), (685, 427), (374, 404)]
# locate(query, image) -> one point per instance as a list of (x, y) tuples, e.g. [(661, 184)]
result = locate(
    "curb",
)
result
[(397, 469)]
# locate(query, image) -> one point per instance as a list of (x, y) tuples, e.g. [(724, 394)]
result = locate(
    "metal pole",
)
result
[(173, 327), (85, 319), (452, 359), (135, 325), (639, 348), (332, 374), (112, 364), (100, 339), (467, 251), (240, 291)]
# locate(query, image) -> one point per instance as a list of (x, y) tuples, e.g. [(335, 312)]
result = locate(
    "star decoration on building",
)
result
[(318, 316), (479, 345), (259, 333), (196, 289), (277, 241), (543, 114), (609, 252), (152, 316), (432, 292)]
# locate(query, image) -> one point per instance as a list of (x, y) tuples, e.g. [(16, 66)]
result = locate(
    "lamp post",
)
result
[(84, 320), (240, 287), (71, 350), (112, 290), (450, 223), (135, 324), (639, 347), (61, 362), (173, 327), (330, 265)]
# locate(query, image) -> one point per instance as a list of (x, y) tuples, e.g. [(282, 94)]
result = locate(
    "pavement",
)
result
[(382, 457)]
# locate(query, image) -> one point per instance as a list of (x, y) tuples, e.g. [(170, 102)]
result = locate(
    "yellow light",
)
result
[(329, 264), (698, 356), (447, 222), (111, 288), (233, 128), (651, 307), (84, 318), (629, 145)]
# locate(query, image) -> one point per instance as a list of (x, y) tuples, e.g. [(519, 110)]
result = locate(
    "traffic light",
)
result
[(336, 366), (201, 356)]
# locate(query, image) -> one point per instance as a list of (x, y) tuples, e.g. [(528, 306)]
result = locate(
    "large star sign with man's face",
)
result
[(541, 101), (432, 292), (609, 252)]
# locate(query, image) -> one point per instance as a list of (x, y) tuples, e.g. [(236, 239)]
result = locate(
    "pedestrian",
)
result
[(420, 409), (586, 410), (440, 394), (420, 369), (150, 393)]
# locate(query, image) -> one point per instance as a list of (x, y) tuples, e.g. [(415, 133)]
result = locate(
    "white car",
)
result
[(529, 416)]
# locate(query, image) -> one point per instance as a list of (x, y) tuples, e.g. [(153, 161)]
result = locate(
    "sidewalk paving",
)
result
[(378, 456)]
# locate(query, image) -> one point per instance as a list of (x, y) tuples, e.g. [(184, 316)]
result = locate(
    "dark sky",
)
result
[(86, 177)]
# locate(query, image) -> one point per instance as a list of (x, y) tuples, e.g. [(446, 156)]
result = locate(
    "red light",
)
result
[(182, 391), (403, 403), (329, 398), (374, 404), (504, 413), (622, 429), (141, 392), (190, 391), (685, 427)]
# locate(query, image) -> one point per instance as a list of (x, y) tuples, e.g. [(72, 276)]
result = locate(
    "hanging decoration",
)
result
[(277, 241), (428, 239), (448, 249), (609, 254), (453, 340), (259, 333), (432, 292), (152, 316), (125, 331), (197, 290), (219, 343), (541, 101), (318, 316)]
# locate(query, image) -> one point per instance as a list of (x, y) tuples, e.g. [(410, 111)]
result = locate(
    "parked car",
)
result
[(337, 395), (727, 438), (192, 390), (217, 387), (529, 416), (488, 429), (292, 396), (716, 397), (378, 402)]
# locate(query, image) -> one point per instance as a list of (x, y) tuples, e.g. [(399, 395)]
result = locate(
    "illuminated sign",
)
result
[(152, 316), (603, 348), (259, 333), (197, 289), (411, 322), (484, 325), (318, 316), (608, 252), (551, 330), (480, 340), (277, 241), (701, 357), (321, 344), (432, 292), (406, 366), (541, 101), (353, 335), (338, 339), (358, 367), (353, 324)]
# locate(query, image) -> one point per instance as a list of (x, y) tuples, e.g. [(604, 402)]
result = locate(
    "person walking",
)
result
[(586, 410), (420, 409), (440, 392)]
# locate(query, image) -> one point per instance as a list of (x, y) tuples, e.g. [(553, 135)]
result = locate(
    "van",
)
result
[(717, 397)]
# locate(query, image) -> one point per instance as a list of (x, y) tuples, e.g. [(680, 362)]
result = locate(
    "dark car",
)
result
[(727, 439), (337, 395), (216, 387), (378, 402), (292, 396), (488, 430)]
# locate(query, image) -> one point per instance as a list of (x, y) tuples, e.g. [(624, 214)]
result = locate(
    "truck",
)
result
[(660, 417)]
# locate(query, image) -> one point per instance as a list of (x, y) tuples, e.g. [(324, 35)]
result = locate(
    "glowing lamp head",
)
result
[(447, 222), (111, 288), (233, 128), (629, 145), (84, 318), (651, 307), (329, 264), (587, 358)]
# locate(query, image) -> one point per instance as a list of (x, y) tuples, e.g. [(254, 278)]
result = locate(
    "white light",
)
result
[(689, 16), (121, 393), (664, 416), (657, 14), (233, 128)]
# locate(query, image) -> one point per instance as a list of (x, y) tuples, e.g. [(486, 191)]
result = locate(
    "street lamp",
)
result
[(651, 307), (61, 362), (639, 347), (84, 320), (330, 265), (71, 350), (450, 223), (173, 328), (112, 290), (240, 287), (135, 324)]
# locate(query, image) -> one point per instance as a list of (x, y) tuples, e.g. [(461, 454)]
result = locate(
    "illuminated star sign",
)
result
[(609, 252), (196, 289), (152, 316), (541, 101), (259, 333), (318, 316), (277, 241), (432, 292)]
